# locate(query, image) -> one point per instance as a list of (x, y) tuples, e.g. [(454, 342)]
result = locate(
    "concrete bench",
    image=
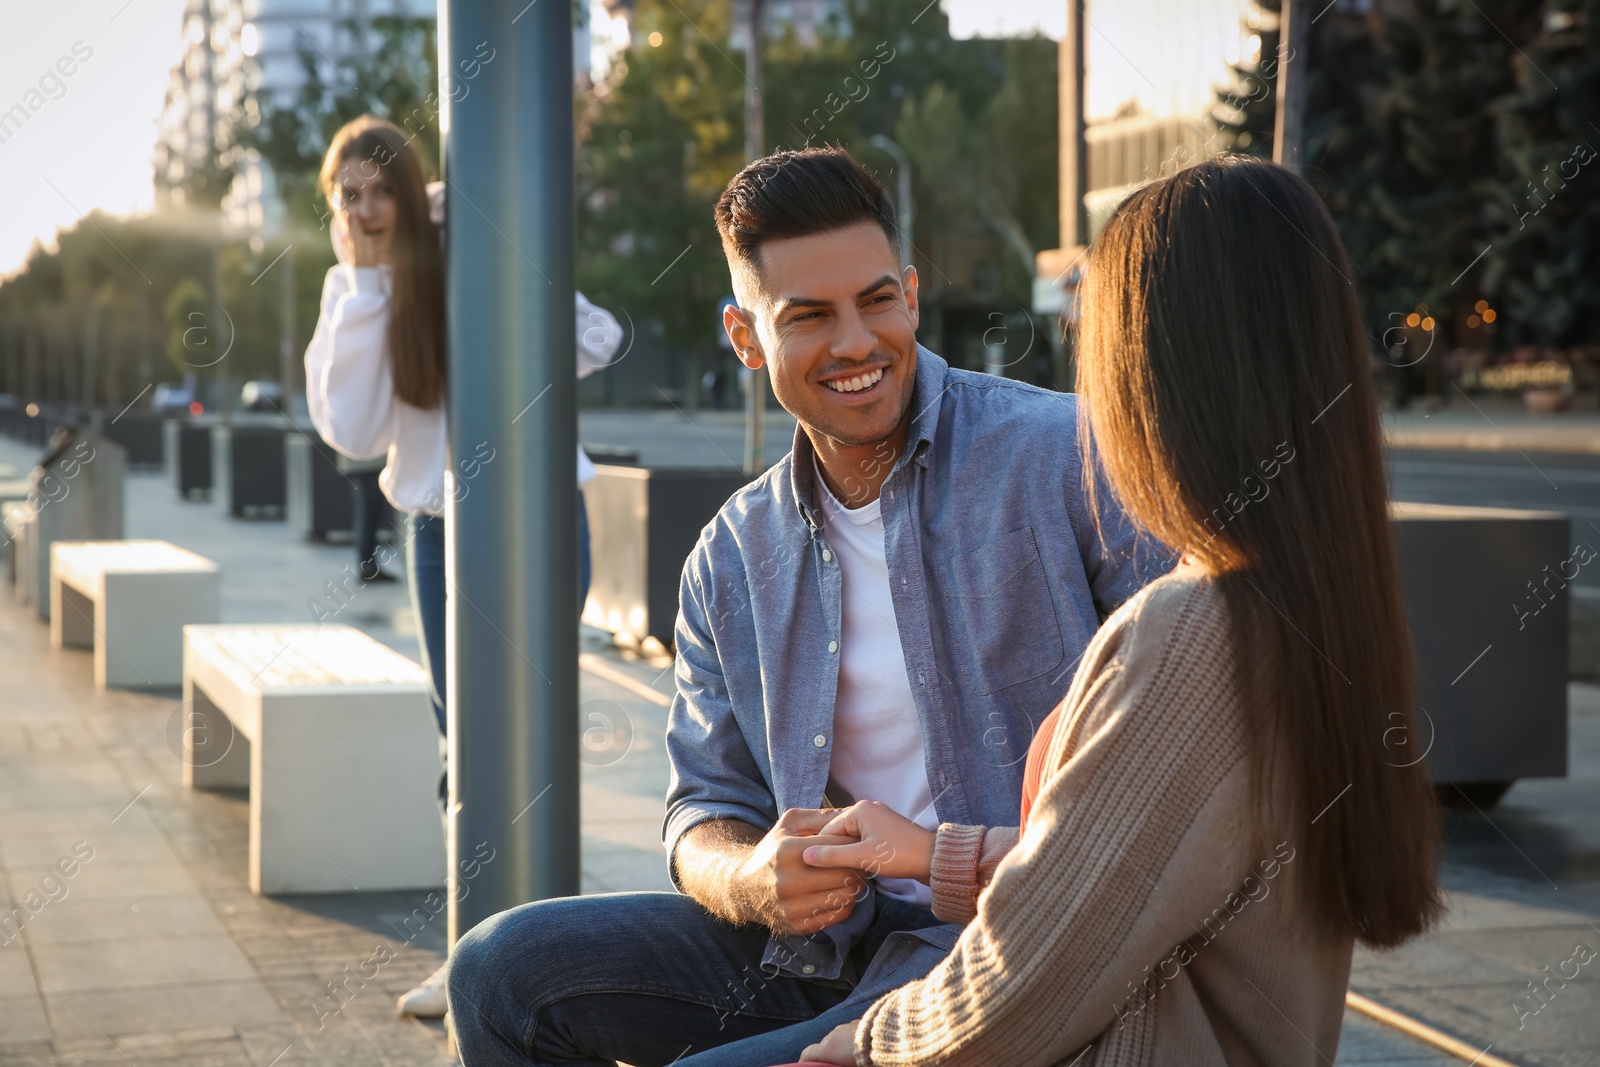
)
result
[(334, 736), (129, 601)]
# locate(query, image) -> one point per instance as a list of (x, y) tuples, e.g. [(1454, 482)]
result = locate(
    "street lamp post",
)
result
[(755, 431), (904, 208), (1289, 122)]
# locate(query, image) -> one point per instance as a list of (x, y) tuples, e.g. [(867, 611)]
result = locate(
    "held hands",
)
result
[(789, 896), (883, 843), (810, 870)]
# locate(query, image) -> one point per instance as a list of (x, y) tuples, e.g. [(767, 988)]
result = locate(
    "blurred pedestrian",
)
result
[(372, 513)]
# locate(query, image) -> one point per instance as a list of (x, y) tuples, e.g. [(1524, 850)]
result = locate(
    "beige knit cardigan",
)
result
[(1146, 915)]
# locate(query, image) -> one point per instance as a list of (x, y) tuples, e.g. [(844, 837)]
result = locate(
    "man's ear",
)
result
[(740, 325), (908, 285)]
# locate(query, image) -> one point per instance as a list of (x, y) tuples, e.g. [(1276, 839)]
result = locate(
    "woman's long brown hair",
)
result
[(416, 311), (1225, 373)]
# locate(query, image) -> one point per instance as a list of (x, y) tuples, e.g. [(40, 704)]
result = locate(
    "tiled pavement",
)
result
[(142, 941), (153, 951)]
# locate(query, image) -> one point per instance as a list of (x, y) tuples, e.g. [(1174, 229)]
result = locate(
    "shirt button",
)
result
[(827, 555), (833, 646), (820, 741), (809, 968)]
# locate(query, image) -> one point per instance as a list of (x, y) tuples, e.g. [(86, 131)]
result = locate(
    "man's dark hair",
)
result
[(797, 194)]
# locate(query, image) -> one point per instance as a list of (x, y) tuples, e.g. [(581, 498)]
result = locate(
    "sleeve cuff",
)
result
[(953, 874), (864, 1032)]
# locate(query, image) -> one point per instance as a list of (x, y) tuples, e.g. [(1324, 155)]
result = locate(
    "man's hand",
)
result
[(881, 842), (742, 875), (788, 895)]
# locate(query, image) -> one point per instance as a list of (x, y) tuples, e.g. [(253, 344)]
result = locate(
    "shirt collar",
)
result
[(926, 395)]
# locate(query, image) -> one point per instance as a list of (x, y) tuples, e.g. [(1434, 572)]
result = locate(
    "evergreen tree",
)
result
[(1544, 216), (1247, 109)]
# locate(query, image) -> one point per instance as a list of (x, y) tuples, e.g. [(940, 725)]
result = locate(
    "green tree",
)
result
[(1415, 111), (1247, 109), (193, 336), (1543, 269)]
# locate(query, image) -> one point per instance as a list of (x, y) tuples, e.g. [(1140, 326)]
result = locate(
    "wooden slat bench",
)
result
[(129, 601), (334, 736)]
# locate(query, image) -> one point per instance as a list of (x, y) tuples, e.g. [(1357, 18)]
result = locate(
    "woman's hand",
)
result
[(888, 845), (839, 1047), (351, 243)]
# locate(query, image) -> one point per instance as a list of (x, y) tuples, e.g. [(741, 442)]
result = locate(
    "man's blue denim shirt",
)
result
[(1000, 578)]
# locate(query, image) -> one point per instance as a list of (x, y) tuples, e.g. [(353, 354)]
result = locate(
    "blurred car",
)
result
[(261, 395), (170, 398)]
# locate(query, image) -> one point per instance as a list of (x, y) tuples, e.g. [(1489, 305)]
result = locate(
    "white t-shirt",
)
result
[(877, 737)]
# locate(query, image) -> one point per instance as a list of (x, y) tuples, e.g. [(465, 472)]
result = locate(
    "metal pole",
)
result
[(286, 352), (755, 409), (905, 208), (31, 388), (91, 355), (214, 335), (1289, 122), (1074, 149), (512, 535)]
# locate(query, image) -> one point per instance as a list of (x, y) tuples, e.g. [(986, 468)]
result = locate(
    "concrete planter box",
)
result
[(643, 523), (77, 496), (139, 433), (186, 455), (320, 499), (248, 475), (1491, 666)]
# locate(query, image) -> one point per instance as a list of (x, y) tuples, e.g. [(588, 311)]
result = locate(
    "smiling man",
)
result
[(886, 614)]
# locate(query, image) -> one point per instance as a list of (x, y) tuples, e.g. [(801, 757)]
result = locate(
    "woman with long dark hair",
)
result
[(1222, 805)]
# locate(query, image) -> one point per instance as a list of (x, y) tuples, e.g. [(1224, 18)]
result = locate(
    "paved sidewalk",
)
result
[(153, 951), (1490, 425)]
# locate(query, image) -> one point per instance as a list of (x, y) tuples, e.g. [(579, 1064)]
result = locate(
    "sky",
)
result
[(1005, 18), (88, 142), (88, 146)]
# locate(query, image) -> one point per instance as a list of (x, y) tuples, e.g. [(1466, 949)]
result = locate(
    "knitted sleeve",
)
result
[(964, 862)]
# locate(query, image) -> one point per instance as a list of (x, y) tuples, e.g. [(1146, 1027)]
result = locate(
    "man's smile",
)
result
[(862, 382)]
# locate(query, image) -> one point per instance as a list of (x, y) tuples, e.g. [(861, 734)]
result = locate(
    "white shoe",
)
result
[(428, 1000)]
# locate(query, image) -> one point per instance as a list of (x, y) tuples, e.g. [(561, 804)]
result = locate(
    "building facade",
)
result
[(237, 53)]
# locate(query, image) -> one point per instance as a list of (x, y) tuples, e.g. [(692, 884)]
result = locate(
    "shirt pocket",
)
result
[(1003, 629)]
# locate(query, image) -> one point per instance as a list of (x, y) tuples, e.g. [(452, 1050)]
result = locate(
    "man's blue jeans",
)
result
[(647, 978)]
